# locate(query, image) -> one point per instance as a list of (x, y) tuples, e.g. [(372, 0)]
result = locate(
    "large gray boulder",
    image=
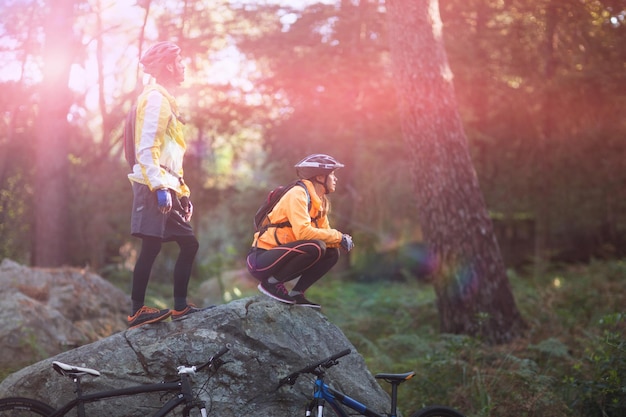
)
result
[(268, 340), (47, 311)]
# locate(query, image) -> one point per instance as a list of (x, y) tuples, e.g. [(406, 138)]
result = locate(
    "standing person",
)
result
[(161, 206), (299, 242)]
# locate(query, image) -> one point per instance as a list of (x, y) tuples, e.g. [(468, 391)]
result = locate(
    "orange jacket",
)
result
[(293, 207)]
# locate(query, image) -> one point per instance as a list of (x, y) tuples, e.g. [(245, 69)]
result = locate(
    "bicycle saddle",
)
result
[(69, 370), (395, 377)]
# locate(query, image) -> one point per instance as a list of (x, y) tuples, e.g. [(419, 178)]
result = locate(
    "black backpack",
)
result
[(261, 219), (129, 136)]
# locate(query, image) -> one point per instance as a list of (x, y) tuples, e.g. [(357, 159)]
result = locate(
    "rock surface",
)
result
[(267, 340), (47, 311)]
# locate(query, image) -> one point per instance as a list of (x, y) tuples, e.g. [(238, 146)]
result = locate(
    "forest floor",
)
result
[(570, 362)]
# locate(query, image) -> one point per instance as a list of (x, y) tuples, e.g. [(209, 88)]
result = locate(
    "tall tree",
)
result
[(473, 294), (52, 137)]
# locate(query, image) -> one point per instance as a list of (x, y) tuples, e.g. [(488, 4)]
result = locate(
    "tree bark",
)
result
[(52, 139), (543, 155), (473, 293)]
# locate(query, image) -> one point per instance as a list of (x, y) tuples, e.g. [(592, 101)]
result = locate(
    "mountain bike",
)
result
[(324, 395), (181, 388)]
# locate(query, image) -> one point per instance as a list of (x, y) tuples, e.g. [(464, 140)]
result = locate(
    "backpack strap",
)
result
[(180, 179), (287, 223), (129, 136)]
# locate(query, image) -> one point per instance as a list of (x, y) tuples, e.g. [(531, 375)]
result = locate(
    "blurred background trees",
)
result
[(540, 87)]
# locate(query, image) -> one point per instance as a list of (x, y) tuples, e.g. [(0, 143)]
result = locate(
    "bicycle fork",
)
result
[(187, 394), (310, 409), (315, 408), (199, 405)]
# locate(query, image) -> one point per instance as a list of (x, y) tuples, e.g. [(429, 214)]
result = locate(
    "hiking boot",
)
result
[(300, 300), (277, 291), (147, 315), (190, 309)]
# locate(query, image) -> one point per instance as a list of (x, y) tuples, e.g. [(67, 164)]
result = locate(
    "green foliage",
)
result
[(567, 365), (542, 118), (597, 387), (571, 362), (13, 229)]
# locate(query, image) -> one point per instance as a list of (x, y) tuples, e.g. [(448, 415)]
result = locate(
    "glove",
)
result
[(187, 207), (184, 203), (164, 200), (346, 242)]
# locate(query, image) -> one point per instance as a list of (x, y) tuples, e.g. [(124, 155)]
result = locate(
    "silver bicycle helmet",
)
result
[(317, 164), (158, 56)]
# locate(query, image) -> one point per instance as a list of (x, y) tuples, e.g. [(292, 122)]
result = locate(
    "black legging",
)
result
[(150, 248), (309, 259)]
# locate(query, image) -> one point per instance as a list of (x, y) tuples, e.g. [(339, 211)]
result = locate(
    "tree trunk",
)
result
[(473, 293), (543, 155), (52, 136)]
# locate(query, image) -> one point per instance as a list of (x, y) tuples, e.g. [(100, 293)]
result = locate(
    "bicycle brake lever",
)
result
[(218, 364), (288, 380), (329, 364)]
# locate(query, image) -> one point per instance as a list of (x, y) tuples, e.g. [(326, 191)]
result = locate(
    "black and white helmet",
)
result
[(317, 164)]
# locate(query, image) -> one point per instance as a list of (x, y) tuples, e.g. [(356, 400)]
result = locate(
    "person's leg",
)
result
[(150, 248), (140, 314), (148, 224), (312, 275), (317, 271), (179, 230), (182, 270), (283, 263)]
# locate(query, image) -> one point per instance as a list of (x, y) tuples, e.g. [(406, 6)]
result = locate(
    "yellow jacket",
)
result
[(293, 206), (159, 141)]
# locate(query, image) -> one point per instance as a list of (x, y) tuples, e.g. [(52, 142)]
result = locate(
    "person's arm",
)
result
[(298, 214), (153, 116)]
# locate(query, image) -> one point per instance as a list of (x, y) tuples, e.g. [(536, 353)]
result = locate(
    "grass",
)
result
[(570, 363)]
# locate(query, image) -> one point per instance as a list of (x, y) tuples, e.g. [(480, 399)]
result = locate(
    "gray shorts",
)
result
[(147, 220)]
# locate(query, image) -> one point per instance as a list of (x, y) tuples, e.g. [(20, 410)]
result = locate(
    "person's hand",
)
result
[(346, 242), (185, 203), (164, 200)]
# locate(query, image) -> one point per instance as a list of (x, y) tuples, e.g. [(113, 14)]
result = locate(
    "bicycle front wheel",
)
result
[(24, 407), (437, 411)]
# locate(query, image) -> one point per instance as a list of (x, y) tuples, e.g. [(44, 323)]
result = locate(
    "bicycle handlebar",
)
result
[(314, 368), (214, 361)]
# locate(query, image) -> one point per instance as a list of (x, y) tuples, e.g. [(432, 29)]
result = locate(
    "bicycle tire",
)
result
[(24, 407), (437, 411)]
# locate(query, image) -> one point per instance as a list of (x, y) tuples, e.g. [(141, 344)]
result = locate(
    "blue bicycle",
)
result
[(324, 395)]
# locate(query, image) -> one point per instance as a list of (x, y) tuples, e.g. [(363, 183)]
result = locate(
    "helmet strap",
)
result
[(326, 191)]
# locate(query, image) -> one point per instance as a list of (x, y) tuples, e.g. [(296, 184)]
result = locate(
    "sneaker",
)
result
[(277, 291), (190, 309), (147, 315), (300, 300)]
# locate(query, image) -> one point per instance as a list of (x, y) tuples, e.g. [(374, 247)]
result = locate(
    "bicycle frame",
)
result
[(325, 394), (182, 387)]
